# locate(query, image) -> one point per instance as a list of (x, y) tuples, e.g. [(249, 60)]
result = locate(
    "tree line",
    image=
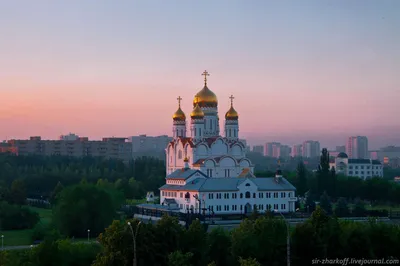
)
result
[(39, 175), (259, 240)]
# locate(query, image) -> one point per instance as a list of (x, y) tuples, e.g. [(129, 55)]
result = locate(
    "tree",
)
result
[(219, 246), (359, 208), (177, 258), (254, 214), (18, 192), (301, 175), (84, 207), (59, 187), (332, 182), (310, 203), (248, 262), (323, 172), (342, 208), (195, 242), (170, 233), (325, 203)]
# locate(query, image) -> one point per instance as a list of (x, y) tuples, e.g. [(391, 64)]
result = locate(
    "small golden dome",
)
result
[(205, 98), (231, 114), (179, 115), (197, 113)]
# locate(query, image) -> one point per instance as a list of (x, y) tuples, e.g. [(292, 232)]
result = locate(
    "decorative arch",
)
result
[(227, 161), (202, 150), (219, 147), (236, 149), (245, 162), (210, 163)]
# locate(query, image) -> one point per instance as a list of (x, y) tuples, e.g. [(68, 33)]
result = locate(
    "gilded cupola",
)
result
[(179, 115), (205, 97), (197, 113), (231, 114)]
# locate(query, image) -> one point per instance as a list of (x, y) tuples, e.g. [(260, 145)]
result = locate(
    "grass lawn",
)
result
[(23, 237)]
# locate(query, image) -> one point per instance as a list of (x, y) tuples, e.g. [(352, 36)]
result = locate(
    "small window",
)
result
[(247, 195), (247, 185)]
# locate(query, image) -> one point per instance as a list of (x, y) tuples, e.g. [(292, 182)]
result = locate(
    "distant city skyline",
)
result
[(320, 70)]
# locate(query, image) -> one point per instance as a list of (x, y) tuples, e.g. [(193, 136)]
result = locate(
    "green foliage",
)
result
[(301, 179), (323, 173), (325, 203), (219, 246), (41, 174), (195, 242), (18, 192), (82, 207), (52, 253), (342, 208), (254, 214), (359, 208), (16, 217), (59, 187), (248, 262), (177, 258)]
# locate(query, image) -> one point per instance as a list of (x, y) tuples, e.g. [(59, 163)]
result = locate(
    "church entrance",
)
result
[(247, 208)]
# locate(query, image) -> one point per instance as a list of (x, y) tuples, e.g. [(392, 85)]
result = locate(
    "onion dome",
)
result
[(197, 113), (342, 155), (231, 114), (179, 115), (205, 97)]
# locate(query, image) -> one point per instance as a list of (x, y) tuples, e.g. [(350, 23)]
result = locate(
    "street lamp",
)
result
[(2, 242), (287, 238), (88, 235), (134, 235)]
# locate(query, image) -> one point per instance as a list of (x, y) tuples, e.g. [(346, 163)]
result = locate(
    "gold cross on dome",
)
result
[(179, 100), (231, 97), (205, 74)]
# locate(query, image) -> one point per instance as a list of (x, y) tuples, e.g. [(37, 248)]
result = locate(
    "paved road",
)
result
[(32, 246)]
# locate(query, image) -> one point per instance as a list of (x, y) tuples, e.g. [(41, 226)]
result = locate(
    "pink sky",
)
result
[(324, 73)]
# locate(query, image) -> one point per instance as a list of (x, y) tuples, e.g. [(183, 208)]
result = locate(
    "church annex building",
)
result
[(208, 171)]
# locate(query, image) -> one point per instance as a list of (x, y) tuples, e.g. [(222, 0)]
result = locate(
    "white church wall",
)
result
[(219, 147)]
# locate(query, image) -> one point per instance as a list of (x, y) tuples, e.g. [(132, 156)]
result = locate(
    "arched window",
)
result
[(179, 154), (230, 132), (241, 195), (247, 185), (210, 124), (247, 195)]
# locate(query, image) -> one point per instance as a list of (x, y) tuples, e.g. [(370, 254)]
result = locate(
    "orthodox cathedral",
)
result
[(208, 171)]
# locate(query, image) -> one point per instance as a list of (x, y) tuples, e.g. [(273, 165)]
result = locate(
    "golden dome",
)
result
[(179, 115), (231, 114), (197, 113), (205, 98)]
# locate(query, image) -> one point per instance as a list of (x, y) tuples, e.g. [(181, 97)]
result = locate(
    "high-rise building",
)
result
[(258, 149), (357, 147), (116, 148), (297, 150), (341, 148), (144, 143), (70, 136), (311, 149), (270, 147)]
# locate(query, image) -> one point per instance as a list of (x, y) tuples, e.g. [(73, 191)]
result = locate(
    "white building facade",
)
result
[(207, 170), (362, 168)]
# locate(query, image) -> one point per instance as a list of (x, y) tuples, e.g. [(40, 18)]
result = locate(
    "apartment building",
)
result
[(311, 149), (144, 143), (357, 147), (258, 149), (116, 148)]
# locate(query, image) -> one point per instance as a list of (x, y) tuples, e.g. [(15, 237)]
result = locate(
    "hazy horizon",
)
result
[(322, 70)]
